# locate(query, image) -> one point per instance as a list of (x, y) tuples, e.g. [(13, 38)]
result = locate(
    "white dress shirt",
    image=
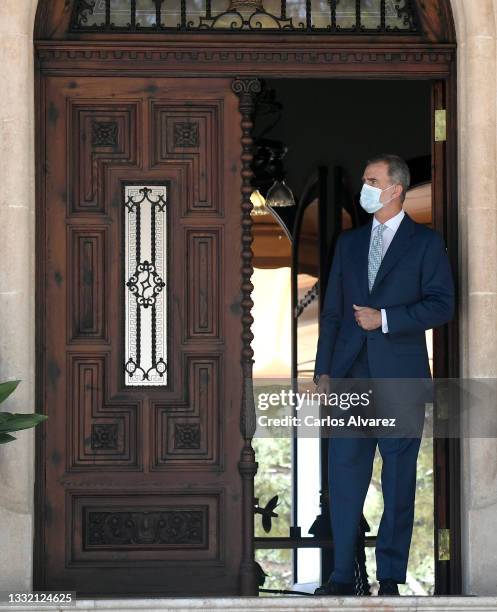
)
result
[(392, 225)]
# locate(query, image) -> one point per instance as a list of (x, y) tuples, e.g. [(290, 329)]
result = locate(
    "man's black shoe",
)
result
[(388, 587), (335, 588)]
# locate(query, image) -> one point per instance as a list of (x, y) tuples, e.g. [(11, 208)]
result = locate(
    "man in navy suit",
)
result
[(389, 282)]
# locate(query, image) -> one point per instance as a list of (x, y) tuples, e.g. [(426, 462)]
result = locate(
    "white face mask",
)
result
[(370, 198)]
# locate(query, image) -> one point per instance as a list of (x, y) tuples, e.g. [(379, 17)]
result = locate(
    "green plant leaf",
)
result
[(16, 422), (7, 388), (5, 437)]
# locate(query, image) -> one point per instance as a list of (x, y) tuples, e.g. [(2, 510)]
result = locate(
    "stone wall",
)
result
[(17, 284), (476, 32), (476, 36)]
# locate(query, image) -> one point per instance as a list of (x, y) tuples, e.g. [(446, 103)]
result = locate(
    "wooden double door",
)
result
[(139, 323)]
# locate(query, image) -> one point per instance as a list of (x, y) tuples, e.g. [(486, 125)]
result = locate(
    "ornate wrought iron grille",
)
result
[(317, 16), (145, 230)]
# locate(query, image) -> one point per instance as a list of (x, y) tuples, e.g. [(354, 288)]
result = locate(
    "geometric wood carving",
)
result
[(87, 282), (100, 432), (104, 134), (186, 135), (98, 134), (187, 436), (204, 248), (104, 436), (142, 482), (188, 430), (190, 133)]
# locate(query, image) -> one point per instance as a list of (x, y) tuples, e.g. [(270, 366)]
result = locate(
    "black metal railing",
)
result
[(286, 16)]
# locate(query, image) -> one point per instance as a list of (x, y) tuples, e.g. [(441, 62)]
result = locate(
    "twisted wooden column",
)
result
[(246, 89)]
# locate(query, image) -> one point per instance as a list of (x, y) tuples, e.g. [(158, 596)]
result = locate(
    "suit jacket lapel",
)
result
[(399, 244), (362, 258)]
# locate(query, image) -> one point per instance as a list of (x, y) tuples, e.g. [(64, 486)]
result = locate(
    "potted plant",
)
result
[(9, 421)]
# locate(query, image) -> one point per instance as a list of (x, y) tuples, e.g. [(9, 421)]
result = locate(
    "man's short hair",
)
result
[(398, 170)]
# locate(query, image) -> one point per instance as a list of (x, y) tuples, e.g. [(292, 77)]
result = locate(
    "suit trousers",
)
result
[(350, 466)]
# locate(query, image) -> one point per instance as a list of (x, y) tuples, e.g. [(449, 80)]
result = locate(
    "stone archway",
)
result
[(476, 34)]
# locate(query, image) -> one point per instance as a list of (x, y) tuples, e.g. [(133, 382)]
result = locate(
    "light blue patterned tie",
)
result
[(375, 254)]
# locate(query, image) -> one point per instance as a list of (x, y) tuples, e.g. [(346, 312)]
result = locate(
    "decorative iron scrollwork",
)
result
[(83, 10), (145, 284), (308, 298), (267, 512), (145, 298), (405, 13), (285, 16)]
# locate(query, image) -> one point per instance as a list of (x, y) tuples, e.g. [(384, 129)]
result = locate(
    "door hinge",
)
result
[(444, 544), (440, 125)]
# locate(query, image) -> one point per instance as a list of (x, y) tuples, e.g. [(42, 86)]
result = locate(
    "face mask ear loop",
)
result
[(386, 189)]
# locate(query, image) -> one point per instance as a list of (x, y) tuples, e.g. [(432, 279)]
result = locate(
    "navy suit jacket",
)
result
[(414, 285)]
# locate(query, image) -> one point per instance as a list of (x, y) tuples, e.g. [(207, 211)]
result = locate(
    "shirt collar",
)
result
[(392, 223)]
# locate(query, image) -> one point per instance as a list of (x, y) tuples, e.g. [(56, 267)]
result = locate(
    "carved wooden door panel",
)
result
[(141, 328)]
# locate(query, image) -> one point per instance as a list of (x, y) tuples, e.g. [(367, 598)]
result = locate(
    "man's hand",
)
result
[(367, 318), (324, 384)]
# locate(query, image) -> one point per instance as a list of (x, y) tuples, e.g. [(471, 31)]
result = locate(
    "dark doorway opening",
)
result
[(330, 127)]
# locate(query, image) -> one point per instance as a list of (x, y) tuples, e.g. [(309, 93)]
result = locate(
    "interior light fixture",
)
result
[(280, 194), (259, 203)]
